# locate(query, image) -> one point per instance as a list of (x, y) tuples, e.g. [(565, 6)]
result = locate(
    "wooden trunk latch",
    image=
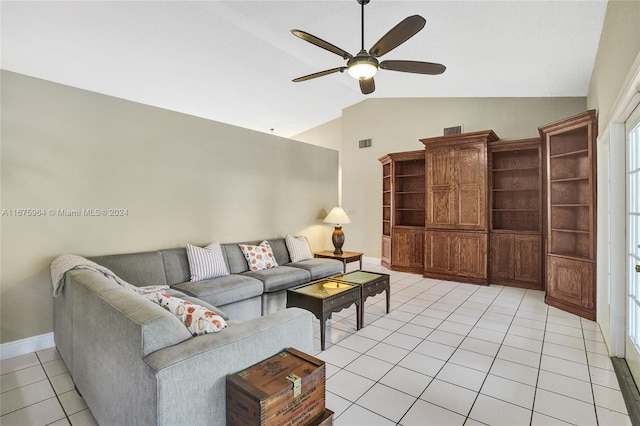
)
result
[(297, 384)]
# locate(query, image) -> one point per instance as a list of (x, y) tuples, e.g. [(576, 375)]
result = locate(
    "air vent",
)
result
[(452, 130), (364, 143)]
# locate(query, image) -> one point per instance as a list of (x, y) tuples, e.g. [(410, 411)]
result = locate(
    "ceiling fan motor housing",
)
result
[(362, 66)]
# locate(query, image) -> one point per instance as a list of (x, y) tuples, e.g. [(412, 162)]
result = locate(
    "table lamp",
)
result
[(338, 217)]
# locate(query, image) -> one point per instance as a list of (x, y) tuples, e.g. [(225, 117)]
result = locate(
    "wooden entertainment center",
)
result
[(474, 208)]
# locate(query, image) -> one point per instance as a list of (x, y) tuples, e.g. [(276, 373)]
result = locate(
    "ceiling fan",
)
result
[(365, 64)]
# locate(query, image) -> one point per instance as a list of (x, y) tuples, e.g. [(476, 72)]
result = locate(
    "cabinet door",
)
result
[(527, 266), (501, 258), (456, 253), (571, 281), (438, 256), (407, 248), (386, 250), (471, 186), (470, 254), (440, 205)]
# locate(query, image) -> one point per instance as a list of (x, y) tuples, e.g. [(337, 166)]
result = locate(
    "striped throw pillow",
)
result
[(298, 248), (206, 262)]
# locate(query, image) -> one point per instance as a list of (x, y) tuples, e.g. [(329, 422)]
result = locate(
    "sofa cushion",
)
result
[(319, 268), (280, 278), (259, 257), (175, 293), (279, 248), (198, 319), (139, 269), (206, 262), (176, 265), (223, 290), (235, 258), (298, 248)]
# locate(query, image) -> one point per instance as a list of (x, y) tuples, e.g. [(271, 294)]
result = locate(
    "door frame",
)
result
[(611, 234)]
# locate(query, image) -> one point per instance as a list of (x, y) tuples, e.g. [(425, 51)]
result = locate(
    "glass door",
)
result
[(632, 347)]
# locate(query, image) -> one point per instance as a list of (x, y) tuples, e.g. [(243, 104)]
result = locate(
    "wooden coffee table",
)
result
[(323, 297), (370, 283)]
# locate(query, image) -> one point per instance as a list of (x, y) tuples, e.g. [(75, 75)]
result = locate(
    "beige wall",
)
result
[(328, 135), (182, 179), (618, 48), (397, 124)]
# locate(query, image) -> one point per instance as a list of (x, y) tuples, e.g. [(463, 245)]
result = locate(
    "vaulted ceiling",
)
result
[(233, 61)]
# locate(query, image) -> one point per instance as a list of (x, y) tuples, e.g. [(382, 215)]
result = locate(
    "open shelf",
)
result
[(516, 220), (570, 192), (409, 168), (386, 228), (574, 244), (515, 186), (409, 193), (574, 217), (518, 159), (568, 143)]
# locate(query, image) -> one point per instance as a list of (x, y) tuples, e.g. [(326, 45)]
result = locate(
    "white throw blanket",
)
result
[(63, 264)]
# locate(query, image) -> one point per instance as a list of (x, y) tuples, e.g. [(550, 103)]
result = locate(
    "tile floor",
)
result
[(447, 354), (37, 390)]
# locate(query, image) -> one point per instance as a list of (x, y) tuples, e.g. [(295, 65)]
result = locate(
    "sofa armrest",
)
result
[(191, 376)]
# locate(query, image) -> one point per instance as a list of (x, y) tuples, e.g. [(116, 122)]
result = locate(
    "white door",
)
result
[(632, 347)]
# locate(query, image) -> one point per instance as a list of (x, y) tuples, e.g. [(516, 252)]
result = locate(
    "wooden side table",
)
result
[(345, 257)]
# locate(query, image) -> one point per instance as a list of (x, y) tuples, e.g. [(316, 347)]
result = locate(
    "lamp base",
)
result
[(338, 239)]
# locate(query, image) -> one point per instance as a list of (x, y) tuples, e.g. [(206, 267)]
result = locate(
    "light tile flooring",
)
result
[(37, 390), (447, 354), (453, 354)]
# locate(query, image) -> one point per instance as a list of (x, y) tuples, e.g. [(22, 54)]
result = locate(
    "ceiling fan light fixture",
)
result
[(362, 67)]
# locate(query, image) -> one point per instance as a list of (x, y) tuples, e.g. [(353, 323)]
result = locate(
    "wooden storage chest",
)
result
[(264, 395)]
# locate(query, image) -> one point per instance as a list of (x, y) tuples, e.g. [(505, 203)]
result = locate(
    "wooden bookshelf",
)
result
[(515, 248), (403, 198), (571, 213)]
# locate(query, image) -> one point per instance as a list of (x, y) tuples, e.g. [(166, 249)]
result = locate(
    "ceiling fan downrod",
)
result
[(362, 3)]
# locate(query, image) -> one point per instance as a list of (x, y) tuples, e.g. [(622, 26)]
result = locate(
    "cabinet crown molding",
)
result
[(481, 136)]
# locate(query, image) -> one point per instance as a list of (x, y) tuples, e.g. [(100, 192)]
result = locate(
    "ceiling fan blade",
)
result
[(319, 74), (321, 43), (367, 86), (398, 35), (413, 66)]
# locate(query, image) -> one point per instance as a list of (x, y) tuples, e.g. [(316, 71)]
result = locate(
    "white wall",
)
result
[(181, 180)]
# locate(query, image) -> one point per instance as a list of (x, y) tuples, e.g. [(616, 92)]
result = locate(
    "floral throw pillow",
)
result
[(259, 257), (197, 319)]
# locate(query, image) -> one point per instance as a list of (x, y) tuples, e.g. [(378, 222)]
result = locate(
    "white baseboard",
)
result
[(25, 346), (371, 259)]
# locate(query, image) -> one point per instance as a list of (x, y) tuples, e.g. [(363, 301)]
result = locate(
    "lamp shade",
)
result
[(337, 215)]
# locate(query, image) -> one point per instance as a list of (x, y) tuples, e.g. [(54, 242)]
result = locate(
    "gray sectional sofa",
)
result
[(137, 364)]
